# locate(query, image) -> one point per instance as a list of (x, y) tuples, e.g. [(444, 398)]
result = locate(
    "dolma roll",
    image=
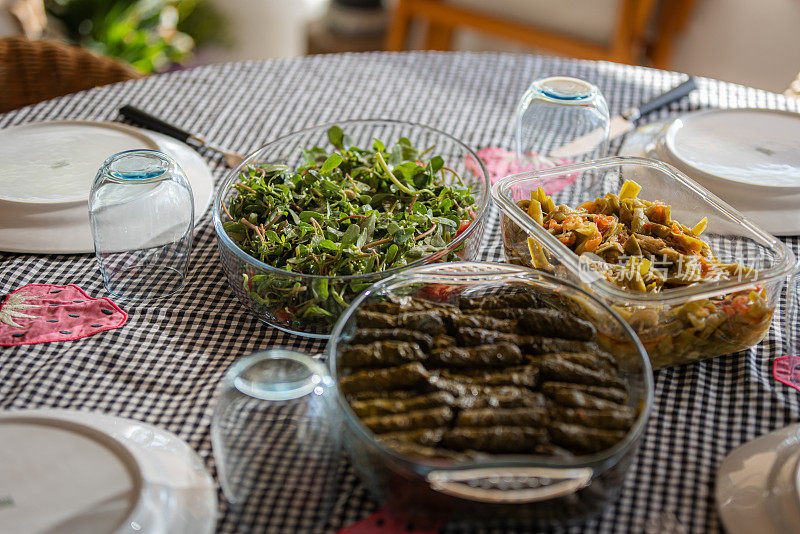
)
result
[(506, 313), (428, 321), (477, 396), (555, 323), (405, 376), (544, 345), (531, 344), (483, 321), (509, 397), (495, 439), (509, 300), (614, 394), (381, 394), (580, 439), (374, 319), (557, 368), (443, 340), (427, 418), (572, 398), (503, 417), (383, 353), (367, 408), (483, 336), (425, 321), (495, 355), (598, 360), (619, 418), (368, 335), (520, 375)]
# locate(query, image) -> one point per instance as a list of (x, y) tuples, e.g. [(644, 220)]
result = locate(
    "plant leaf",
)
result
[(333, 161), (350, 235), (336, 137)]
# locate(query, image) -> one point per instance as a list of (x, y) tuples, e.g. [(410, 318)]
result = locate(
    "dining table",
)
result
[(164, 366)]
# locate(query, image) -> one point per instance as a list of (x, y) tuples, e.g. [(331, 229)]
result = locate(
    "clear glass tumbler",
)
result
[(561, 118), (142, 217), (276, 440)]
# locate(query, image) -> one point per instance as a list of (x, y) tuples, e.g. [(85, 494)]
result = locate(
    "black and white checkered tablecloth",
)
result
[(164, 365)]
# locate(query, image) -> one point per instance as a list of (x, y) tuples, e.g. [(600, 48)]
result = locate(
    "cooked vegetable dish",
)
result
[(490, 375), (636, 245), (352, 211)]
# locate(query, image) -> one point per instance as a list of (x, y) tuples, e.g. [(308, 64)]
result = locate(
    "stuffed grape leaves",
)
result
[(496, 374), (366, 408), (427, 418), (495, 355), (404, 376), (383, 353)]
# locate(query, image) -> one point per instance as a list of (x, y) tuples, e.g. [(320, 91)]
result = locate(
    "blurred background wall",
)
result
[(745, 41)]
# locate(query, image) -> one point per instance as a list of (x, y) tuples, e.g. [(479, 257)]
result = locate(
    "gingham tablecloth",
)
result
[(164, 365)]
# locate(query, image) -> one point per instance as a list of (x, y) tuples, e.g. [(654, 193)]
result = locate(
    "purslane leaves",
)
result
[(351, 211)]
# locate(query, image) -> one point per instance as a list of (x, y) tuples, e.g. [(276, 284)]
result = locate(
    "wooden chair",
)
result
[(33, 71), (673, 16), (628, 38)]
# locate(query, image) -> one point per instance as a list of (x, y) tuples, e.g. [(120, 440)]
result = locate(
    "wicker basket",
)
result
[(32, 71)]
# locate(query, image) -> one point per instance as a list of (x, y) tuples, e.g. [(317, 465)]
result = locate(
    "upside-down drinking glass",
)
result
[(556, 111), (142, 217), (276, 439)]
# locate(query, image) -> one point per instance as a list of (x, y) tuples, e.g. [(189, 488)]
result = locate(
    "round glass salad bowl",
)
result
[(498, 491), (307, 304)]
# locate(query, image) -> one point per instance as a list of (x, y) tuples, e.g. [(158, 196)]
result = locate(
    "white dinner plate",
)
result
[(756, 148), (758, 485), (47, 170), (68, 472), (750, 158)]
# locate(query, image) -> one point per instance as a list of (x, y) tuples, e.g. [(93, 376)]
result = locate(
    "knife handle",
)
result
[(669, 97), (143, 118)]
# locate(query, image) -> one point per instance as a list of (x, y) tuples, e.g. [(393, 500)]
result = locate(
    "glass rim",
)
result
[(170, 166), (591, 95), (296, 389), (223, 237)]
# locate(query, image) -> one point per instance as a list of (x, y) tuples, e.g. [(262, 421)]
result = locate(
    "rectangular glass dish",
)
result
[(676, 325)]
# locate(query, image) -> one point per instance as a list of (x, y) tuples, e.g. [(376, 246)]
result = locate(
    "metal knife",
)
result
[(624, 122), (142, 118)]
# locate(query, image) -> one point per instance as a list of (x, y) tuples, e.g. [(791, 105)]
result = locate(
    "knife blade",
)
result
[(625, 121)]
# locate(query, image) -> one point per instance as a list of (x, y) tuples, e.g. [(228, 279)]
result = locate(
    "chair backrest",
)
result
[(33, 71), (617, 30)]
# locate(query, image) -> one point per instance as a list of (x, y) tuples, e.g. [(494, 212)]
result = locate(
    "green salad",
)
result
[(349, 211)]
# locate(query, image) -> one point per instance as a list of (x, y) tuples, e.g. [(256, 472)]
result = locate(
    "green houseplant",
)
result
[(151, 35)]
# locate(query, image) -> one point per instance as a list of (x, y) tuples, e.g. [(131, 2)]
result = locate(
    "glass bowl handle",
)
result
[(520, 484)]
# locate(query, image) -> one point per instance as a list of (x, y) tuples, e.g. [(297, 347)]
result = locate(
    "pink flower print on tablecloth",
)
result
[(784, 373), (40, 313), (500, 163)]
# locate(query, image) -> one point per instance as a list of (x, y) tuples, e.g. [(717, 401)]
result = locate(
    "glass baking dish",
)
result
[(504, 490), (677, 325), (309, 304)]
